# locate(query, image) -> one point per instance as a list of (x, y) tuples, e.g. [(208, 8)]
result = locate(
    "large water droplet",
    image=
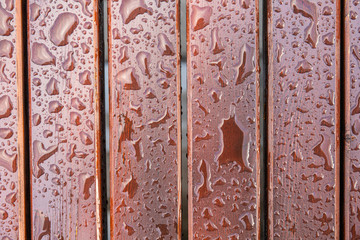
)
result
[(6, 49), (165, 47), (308, 9), (85, 182), (246, 66), (41, 154), (130, 187), (5, 106), (41, 55), (41, 226), (130, 9), (204, 189), (64, 25), (128, 79), (5, 18), (235, 144), (323, 150), (7, 161), (200, 17)]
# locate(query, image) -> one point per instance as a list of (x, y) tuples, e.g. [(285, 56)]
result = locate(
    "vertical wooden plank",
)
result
[(144, 81), (65, 119), (223, 120), (352, 120), (12, 155), (303, 131)]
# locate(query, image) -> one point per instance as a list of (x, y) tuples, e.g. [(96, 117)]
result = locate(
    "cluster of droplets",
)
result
[(63, 75), (353, 129), (223, 121), (144, 82), (302, 136), (9, 225)]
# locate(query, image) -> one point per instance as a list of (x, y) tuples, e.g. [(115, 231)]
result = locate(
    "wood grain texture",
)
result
[(145, 143), (12, 145), (304, 114), (352, 120), (223, 120), (65, 82)]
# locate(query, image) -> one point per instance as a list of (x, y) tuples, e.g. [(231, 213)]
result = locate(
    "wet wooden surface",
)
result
[(303, 119), (144, 81), (12, 175), (65, 119), (352, 120), (223, 120)]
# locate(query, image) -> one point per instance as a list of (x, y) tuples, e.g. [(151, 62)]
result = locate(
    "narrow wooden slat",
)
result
[(223, 120), (144, 81), (303, 108), (352, 120), (65, 119), (12, 156)]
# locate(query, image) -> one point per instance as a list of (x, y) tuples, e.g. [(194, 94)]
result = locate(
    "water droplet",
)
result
[(204, 189), (143, 59), (216, 46), (247, 220), (41, 154), (84, 6), (130, 187), (6, 133), (165, 47), (77, 104), (156, 122), (308, 9), (3, 77), (63, 27), (246, 66), (85, 182), (323, 150), (85, 138), (52, 87), (130, 9), (7, 161), (5, 106), (84, 77), (69, 63), (128, 79), (303, 67), (5, 18), (328, 38), (55, 107), (200, 17), (6, 49), (41, 226), (235, 144), (3, 214), (34, 11), (41, 55)]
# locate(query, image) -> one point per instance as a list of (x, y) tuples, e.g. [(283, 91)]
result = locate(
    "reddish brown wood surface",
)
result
[(65, 132), (12, 177), (223, 120), (144, 81), (303, 130), (352, 120)]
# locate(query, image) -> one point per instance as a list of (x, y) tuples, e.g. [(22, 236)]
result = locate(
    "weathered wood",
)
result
[(145, 146), (303, 116), (12, 145), (65, 84), (352, 120), (223, 120)]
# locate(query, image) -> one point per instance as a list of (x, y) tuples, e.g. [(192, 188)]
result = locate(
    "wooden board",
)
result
[(65, 83), (303, 117), (223, 120), (352, 120), (12, 145), (144, 82)]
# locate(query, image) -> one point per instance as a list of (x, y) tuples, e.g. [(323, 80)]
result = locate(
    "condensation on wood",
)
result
[(12, 156), (144, 81), (352, 120), (65, 127), (223, 120), (303, 117)]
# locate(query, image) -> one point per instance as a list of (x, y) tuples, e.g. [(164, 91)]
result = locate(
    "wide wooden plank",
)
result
[(12, 148), (144, 81), (223, 120), (303, 117), (65, 119), (352, 120)]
